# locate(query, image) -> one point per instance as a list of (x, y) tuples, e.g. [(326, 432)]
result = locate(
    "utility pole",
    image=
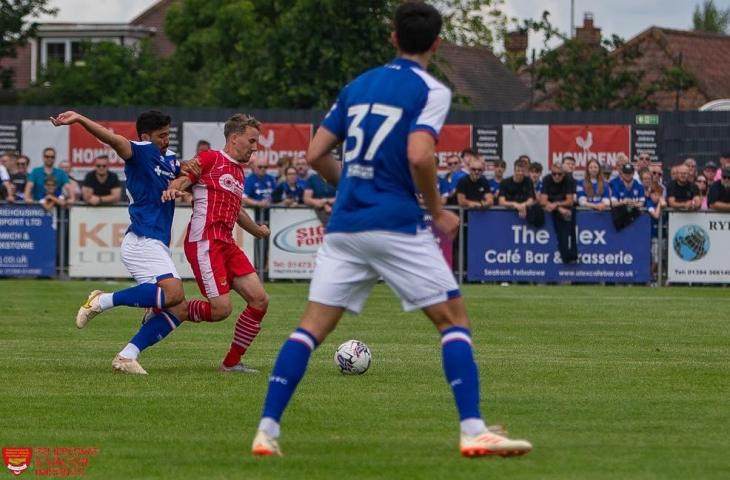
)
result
[(572, 18)]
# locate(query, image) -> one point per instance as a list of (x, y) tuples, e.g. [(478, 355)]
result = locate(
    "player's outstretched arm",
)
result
[(246, 222), (319, 155), (176, 188), (118, 143)]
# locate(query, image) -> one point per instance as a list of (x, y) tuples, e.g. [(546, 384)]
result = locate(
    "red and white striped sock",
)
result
[(248, 326), (199, 311)]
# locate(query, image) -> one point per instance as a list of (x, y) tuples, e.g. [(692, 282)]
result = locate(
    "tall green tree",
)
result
[(17, 25), (108, 74), (710, 19)]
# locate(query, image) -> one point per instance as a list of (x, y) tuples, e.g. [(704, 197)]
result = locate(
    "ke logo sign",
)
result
[(17, 459)]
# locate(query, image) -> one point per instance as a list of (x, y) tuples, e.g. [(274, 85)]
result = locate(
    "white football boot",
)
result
[(265, 445), (127, 365), (89, 310), (489, 443)]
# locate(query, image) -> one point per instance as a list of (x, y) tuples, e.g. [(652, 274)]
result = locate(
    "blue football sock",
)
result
[(461, 371), (288, 371), (142, 295), (154, 330)]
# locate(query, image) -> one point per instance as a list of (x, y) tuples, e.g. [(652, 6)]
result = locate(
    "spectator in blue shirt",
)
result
[(259, 185), (302, 168), (321, 196), (593, 190), (35, 189), (289, 193), (626, 190), (452, 177), (499, 167)]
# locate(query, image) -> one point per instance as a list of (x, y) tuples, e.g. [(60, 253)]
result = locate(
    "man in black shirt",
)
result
[(719, 196), (473, 190), (517, 191), (100, 185), (558, 198), (681, 193), (19, 178)]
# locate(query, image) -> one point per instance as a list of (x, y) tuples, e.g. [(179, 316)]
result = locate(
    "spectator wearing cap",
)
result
[(682, 193), (35, 188), (517, 191), (473, 190), (558, 199), (719, 196), (709, 171), (593, 190), (724, 163), (101, 187), (626, 190)]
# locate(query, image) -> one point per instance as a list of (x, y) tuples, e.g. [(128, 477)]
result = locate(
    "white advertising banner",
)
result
[(296, 235), (530, 140), (697, 247), (95, 240)]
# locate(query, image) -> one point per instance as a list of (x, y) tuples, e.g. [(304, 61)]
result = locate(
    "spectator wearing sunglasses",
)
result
[(455, 173), (35, 188), (19, 179), (259, 185), (558, 199), (473, 190), (719, 196), (101, 187)]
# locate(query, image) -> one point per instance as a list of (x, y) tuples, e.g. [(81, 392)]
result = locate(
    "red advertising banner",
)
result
[(584, 142), (283, 139), (453, 139), (83, 147)]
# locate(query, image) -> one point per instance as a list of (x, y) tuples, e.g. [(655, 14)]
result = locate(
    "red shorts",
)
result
[(215, 264)]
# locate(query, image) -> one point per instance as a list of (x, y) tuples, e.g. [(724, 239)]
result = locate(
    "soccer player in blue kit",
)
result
[(149, 167), (389, 119)]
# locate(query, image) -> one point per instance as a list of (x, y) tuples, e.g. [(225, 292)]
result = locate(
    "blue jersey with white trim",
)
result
[(148, 175), (374, 115)]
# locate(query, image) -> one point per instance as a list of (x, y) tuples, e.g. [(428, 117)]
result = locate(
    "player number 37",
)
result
[(391, 114)]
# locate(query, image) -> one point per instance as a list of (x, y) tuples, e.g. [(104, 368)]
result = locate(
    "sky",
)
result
[(625, 18)]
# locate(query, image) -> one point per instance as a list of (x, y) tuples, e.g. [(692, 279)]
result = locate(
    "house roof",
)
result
[(152, 10), (705, 55), (476, 73)]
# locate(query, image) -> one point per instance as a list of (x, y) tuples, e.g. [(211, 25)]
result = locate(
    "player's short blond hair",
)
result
[(238, 124)]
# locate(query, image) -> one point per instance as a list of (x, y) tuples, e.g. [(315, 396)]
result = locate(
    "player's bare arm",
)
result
[(320, 158), (191, 166), (247, 223), (176, 188), (117, 142), (420, 157)]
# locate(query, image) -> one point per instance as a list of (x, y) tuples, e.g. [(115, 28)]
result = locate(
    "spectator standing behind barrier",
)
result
[(592, 191), (289, 192), (101, 187), (53, 194), (202, 146), (724, 163), (441, 185), (35, 189), (467, 155), (569, 166), (643, 160), (473, 190), (655, 203), (517, 191), (682, 193), (719, 196), (657, 174), (19, 179), (303, 172), (284, 162), (709, 172), (6, 188), (321, 196), (259, 185), (606, 173), (72, 190), (691, 165), (703, 188), (535, 171), (452, 177), (499, 167), (558, 199), (627, 197)]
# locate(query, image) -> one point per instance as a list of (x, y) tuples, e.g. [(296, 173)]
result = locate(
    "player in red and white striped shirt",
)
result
[(218, 263)]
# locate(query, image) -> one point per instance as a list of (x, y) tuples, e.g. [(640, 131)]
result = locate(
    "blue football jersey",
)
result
[(619, 191), (373, 115), (148, 175)]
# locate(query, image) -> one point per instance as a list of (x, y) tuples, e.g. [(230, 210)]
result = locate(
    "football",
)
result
[(353, 358)]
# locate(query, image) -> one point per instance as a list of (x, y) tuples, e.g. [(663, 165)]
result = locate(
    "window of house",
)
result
[(55, 51), (76, 51)]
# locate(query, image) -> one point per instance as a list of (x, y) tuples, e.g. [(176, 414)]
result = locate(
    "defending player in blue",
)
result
[(389, 119), (149, 167)]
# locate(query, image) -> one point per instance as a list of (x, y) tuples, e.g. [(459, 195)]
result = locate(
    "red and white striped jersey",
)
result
[(217, 196)]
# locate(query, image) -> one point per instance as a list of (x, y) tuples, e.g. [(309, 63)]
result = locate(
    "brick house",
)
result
[(705, 56)]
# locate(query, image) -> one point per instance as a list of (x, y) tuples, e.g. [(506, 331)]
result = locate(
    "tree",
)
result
[(16, 29), (108, 74), (606, 76), (710, 19)]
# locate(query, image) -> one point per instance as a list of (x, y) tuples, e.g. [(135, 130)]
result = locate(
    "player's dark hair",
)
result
[(150, 121), (238, 124), (417, 25)]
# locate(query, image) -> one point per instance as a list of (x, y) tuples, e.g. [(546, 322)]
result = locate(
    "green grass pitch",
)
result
[(606, 382)]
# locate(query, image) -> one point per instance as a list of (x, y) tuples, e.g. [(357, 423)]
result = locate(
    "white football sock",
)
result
[(473, 426), (270, 426), (106, 301), (130, 351)]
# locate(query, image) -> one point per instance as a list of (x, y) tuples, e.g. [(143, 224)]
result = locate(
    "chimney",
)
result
[(588, 34), (515, 46)]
